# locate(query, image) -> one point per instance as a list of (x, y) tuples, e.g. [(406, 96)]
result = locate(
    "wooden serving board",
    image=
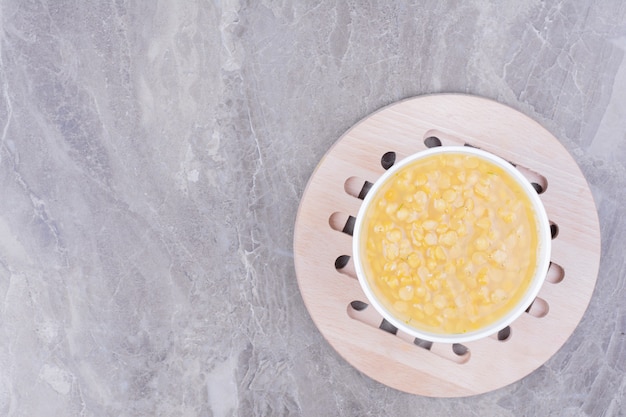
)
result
[(323, 246)]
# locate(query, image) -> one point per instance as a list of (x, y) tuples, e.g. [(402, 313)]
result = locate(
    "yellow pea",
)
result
[(479, 258), (429, 309), (430, 238), (404, 269), (417, 232), (483, 295), (390, 266), (405, 248), (449, 195), (498, 295), (402, 214), (499, 256), (439, 205), (423, 273), (481, 190), (420, 292), (481, 276), (391, 208), (508, 217), (429, 225), (434, 284), (459, 213), (458, 202), (421, 179), (481, 243), (414, 260), (395, 235), (406, 293), (442, 228), (450, 313), (439, 301), (449, 238), (431, 264), (462, 300), (391, 252)]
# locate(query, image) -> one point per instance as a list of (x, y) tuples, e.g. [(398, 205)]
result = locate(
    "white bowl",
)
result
[(541, 268)]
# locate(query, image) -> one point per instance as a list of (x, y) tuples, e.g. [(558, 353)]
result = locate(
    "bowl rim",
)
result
[(543, 258)]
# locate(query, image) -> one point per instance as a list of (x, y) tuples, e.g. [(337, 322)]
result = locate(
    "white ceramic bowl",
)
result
[(541, 268)]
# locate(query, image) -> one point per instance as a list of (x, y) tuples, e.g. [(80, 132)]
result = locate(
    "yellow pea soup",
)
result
[(449, 243)]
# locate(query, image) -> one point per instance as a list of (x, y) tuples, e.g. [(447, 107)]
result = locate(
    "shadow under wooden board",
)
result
[(323, 246)]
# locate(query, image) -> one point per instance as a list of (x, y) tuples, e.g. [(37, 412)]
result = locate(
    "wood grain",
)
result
[(393, 359)]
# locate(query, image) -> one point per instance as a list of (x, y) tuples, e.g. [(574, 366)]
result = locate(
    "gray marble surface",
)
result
[(152, 158)]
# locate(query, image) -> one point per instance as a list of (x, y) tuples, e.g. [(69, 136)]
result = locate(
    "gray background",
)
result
[(152, 158)]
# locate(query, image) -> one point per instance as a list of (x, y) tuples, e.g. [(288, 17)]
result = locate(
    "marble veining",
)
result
[(152, 158)]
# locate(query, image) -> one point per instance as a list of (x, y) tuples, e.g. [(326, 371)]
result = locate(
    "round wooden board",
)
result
[(322, 242)]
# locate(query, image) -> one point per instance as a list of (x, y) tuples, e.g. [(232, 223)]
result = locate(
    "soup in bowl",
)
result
[(451, 244)]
